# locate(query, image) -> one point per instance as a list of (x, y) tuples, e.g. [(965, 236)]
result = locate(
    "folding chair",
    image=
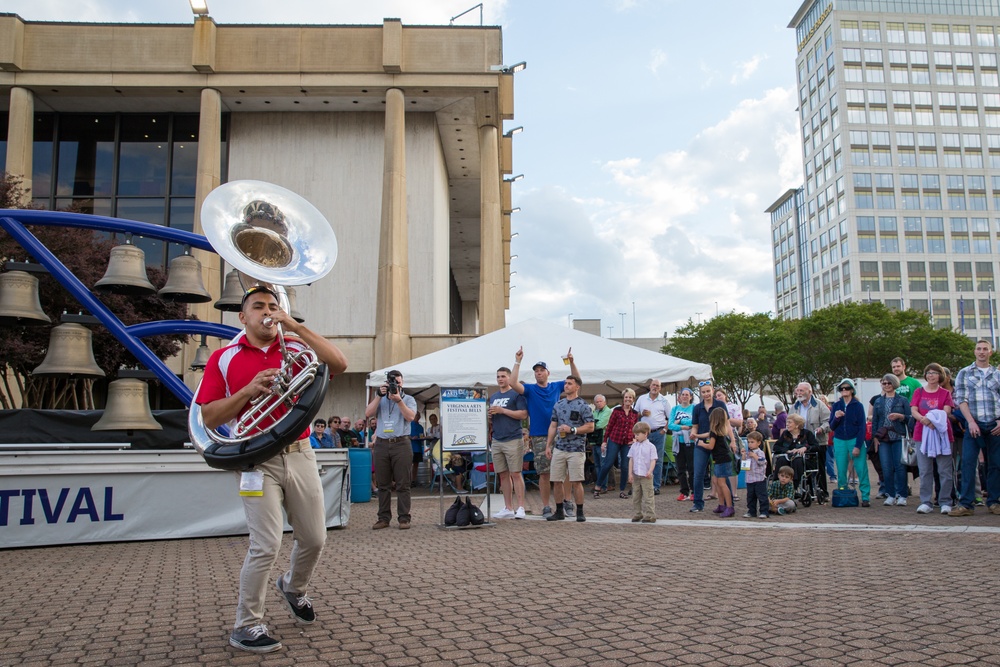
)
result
[(438, 471), (530, 475)]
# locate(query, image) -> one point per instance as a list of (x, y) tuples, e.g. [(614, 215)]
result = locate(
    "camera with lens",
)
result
[(391, 386)]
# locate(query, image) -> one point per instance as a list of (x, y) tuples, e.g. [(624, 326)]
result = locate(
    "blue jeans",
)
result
[(701, 459), (597, 460), (619, 453), (970, 464), (658, 440), (893, 470)]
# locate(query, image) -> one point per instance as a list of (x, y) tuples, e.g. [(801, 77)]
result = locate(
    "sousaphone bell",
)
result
[(272, 236)]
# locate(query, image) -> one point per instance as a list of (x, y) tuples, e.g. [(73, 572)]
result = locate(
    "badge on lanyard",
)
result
[(252, 483)]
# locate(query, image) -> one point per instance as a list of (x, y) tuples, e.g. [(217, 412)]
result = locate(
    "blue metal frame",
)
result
[(13, 222)]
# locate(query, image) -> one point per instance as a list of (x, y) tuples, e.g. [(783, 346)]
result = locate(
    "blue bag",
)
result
[(844, 498)]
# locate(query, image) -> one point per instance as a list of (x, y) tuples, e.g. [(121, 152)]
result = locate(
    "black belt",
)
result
[(391, 440)]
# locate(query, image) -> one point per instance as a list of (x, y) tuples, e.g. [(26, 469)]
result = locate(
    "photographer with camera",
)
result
[(394, 411)]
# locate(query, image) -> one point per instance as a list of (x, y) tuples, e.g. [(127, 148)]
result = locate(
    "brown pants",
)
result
[(393, 459)]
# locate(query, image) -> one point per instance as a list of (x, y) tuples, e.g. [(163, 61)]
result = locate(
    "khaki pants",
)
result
[(643, 505), (291, 480)]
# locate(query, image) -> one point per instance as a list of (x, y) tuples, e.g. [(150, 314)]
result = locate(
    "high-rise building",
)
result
[(899, 109)]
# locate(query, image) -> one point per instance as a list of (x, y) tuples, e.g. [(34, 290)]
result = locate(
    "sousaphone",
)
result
[(272, 237)]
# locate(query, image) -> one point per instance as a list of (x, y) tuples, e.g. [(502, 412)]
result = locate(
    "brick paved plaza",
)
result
[(814, 588)]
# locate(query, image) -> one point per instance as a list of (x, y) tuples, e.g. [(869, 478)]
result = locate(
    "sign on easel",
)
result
[(463, 419)]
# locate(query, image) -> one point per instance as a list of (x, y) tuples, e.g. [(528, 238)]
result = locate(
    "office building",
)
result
[(899, 110), (395, 133)]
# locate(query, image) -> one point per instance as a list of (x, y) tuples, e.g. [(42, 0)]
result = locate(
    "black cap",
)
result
[(539, 363)]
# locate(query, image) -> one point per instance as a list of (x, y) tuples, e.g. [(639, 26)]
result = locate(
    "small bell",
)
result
[(70, 353), (184, 281), (127, 408), (232, 294), (126, 273), (19, 302)]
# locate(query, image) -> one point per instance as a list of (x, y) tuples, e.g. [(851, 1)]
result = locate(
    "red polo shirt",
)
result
[(235, 366)]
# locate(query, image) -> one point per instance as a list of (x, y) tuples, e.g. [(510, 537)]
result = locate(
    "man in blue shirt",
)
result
[(391, 452), (507, 409), (541, 398)]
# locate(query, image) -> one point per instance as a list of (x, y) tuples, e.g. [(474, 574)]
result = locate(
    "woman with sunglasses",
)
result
[(847, 420), (889, 412)]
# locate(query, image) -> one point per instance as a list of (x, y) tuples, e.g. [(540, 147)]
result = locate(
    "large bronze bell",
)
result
[(232, 294), (127, 408), (126, 273), (19, 303), (184, 281), (70, 353)]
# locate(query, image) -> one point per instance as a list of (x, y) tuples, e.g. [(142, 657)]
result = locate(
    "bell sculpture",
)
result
[(232, 294), (184, 281), (127, 408), (19, 303), (126, 273), (293, 309), (201, 356), (70, 353)]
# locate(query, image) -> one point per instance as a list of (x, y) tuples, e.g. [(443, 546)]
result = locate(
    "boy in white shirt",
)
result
[(640, 475)]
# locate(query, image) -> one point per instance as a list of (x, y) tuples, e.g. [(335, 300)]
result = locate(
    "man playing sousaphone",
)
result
[(235, 375)]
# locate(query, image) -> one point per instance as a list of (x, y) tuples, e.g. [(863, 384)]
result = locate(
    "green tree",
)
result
[(737, 346), (22, 349)]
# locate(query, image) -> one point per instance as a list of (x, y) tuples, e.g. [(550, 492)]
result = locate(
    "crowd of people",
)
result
[(944, 431)]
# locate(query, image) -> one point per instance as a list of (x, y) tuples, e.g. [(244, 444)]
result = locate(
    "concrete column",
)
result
[(392, 299), (21, 135), (207, 177), (491, 297)]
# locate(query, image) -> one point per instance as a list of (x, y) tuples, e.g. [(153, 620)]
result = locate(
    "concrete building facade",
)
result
[(899, 111), (395, 133)]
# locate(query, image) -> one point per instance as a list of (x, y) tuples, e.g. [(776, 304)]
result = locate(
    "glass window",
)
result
[(849, 31), (916, 33), (871, 31), (984, 35), (940, 35), (41, 165), (142, 168), (86, 155)]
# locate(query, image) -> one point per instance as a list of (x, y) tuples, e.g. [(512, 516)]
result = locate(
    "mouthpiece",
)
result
[(268, 322)]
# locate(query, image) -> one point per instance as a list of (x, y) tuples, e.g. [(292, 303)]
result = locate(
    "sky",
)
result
[(656, 133)]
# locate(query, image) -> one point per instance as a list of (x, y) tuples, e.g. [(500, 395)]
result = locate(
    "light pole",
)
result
[(610, 327), (569, 320), (633, 322), (716, 308), (623, 323), (699, 317)]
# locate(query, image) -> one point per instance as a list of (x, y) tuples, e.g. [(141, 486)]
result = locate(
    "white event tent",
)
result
[(606, 366)]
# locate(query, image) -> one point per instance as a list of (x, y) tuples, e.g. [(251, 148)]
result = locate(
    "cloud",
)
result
[(657, 59), (683, 231), (745, 69)]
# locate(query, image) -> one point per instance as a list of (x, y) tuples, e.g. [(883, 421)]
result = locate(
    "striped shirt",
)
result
[(980, 388)]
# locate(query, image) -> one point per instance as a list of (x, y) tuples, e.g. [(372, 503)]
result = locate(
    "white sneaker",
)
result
[(924, 509), (889, 501), (900, 501), (504, 514), (519, 514), (946, 509)]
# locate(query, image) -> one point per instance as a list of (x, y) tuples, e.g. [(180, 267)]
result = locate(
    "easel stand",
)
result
[(440, 463)]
